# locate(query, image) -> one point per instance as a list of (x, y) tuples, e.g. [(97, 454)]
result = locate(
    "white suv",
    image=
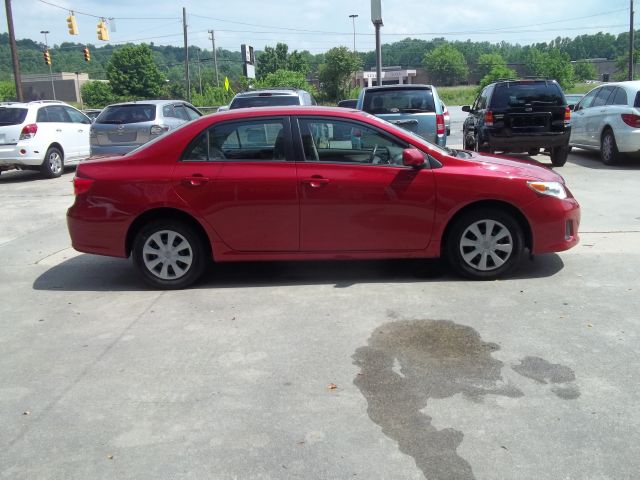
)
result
[(44, 135)]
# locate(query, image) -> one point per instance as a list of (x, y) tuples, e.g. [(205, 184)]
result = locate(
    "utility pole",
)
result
[(46, 47), (353, 20), (215, 56), (631, 40), (14, 52), (199, 74), (187, 80)]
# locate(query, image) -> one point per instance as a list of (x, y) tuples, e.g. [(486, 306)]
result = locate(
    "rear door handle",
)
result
[(195, 180), (315, 182)]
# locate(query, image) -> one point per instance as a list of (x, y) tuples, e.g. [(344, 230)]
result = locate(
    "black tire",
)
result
[(609, 153), (181, 255), (500, 253), (480, 148), (53, 164), (533, 151), (559, 156)]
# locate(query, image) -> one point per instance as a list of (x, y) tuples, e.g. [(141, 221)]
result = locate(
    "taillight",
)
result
[(28, 131), (158, 129), (81, 185), (488, 118), (440, 124), (567, 116), (631, 119)]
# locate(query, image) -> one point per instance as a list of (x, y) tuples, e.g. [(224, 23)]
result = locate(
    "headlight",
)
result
[(552, 189)]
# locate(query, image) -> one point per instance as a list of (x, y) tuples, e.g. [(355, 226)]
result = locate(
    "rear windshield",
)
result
[(398, 101), (265, 101), (12, 116), (532, 93), (127, 114)]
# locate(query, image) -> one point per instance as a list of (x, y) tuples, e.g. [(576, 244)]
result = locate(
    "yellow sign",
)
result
[(226, 83)]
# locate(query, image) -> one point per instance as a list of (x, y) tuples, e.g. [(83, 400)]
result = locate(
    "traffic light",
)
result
[(47, 57), (87, 54), (103, 34), (72, 25)]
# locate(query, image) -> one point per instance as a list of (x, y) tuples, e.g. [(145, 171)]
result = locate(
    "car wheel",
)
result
[(480, 148), (169, 254), (484, 244), (559, 156), (53, 164), (608, 148)]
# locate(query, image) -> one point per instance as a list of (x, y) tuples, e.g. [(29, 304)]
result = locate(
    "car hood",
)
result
[(513, 167)]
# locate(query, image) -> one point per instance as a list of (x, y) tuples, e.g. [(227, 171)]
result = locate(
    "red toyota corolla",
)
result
[(300, 183)]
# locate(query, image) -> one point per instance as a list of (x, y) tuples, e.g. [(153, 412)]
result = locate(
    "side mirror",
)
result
[(412, 157), (466, 108)]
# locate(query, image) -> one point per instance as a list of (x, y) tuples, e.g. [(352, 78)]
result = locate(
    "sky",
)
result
[(315, 25)]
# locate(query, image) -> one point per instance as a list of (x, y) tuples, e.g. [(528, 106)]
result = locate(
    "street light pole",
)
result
[(46, 46), (353, 20)]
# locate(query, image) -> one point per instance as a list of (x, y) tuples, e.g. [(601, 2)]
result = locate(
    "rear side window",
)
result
[(118, 114), (619, 97), (12, 116), (513, 95), (267, 100), (399, 101)]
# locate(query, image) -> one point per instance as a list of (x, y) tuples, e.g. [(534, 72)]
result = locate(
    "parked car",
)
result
[(515, 116), (607, 119), (92, 113), (123, 127), (271, 97), (572, 99), (44, 135), (416, 108), (273, 184), (350, 103)]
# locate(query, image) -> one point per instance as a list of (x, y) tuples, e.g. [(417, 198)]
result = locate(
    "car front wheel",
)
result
[(53, 164), (485, 244), (169, 254)]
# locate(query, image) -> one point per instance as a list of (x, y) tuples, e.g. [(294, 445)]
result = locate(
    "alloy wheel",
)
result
[(55, 163)]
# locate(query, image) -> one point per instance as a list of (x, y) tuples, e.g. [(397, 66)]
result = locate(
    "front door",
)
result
[(355, 194), (238, 176)]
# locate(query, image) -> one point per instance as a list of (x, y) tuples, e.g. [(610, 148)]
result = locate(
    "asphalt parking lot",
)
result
[(327, 370)]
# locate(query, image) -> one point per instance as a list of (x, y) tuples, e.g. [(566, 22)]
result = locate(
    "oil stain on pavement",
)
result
[(408, 362)]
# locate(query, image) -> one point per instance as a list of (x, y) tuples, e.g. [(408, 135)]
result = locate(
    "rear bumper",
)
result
[(522, 143), (19, 156), (628, 140)]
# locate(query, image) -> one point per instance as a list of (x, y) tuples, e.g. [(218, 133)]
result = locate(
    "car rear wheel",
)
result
[(484, 244), (480, 148), (608, 148), (559, 156), (169, 254), (53, 164)]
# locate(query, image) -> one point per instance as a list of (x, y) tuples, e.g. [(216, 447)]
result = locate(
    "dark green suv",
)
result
[(517, 116)]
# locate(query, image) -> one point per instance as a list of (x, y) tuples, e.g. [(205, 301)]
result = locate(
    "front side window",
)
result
[(588, 99), (602, 97), (336, 141), (255, 140)]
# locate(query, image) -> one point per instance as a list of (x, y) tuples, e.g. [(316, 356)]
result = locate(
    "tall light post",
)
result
[(46, 46), (353, 20)]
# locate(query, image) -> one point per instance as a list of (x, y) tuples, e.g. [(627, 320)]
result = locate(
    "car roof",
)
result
[(148, 102), (292, 110), (32, 103), (408, 86), (280, 91)]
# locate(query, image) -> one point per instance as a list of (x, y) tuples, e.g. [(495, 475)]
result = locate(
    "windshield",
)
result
[(532, 93), (12, 116), (264, 101), (398, 101), (118, 114)]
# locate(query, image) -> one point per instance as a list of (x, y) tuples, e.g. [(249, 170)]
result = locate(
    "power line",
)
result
[(69, 9)]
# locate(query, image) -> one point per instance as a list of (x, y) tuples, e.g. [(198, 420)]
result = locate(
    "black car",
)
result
[(517, 116)]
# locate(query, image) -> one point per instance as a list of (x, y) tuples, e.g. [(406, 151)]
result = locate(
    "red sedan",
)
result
[(299, 183)]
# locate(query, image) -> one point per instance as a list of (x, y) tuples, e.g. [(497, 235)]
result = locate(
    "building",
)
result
[(390, 76), (66, 84)]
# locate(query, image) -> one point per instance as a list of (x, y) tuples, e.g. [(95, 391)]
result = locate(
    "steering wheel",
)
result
[(373, 153)]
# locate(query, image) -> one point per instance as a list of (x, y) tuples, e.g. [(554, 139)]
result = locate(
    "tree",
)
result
[(97, 94), (132, 73), (336, 71), (489, 61), (496, 73), (553, 65), (279, 58), (7, 91), (585, 70), (446, 65), (285, 78)]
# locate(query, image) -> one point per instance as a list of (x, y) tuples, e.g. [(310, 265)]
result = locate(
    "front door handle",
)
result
[(195, 180), (316, 181)]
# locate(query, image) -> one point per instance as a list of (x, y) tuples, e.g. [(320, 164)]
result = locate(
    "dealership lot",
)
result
[(393, 369)]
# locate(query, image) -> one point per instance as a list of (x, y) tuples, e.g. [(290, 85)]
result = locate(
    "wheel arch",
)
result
[(496, 205), (165, 213), (55, 145)]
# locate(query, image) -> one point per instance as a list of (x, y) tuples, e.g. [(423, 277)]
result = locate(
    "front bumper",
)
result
[(554, 224)]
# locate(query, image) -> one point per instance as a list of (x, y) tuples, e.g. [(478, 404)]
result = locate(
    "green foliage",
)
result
[(460, 95), (284, 78), (97, 94), (133, 73), (274, 59), (585, 70), (488, 62), (496, 73), (554, 64), (7, 91), (446, 65), (336, 71), (212, 96)]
